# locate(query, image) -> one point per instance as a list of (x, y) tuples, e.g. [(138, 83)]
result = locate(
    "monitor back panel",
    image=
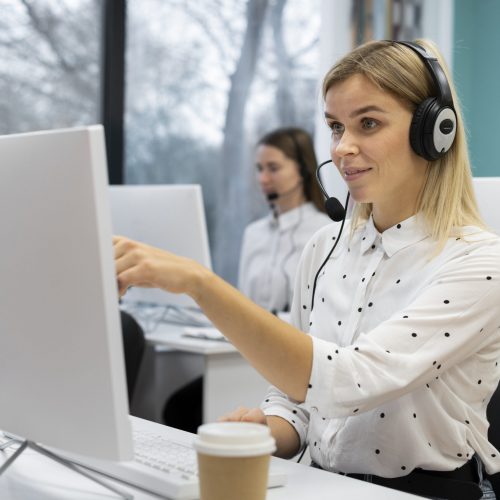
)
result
[(62, 377), (170, 217)]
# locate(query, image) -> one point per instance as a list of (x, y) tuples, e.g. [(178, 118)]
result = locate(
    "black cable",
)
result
[(302, 454), (330, 252)]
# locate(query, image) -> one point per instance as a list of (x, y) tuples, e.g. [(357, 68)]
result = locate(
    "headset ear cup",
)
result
[(304, 173), (418, 128), (444, 131)]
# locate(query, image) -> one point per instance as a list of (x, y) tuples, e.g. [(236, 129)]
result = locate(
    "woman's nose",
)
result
[(346, 145), (263, 177)]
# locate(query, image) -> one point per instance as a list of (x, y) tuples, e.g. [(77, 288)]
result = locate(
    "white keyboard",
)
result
[(208, 333), (163, 466), (175, 459)]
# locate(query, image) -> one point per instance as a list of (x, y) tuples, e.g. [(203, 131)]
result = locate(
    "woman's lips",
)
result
[(351, 174)]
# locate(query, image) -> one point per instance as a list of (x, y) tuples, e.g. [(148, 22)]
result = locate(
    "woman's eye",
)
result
[(336, 128), (368, 123)]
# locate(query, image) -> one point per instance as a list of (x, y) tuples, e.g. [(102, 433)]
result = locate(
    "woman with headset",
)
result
[(393, 354), (271, 247)]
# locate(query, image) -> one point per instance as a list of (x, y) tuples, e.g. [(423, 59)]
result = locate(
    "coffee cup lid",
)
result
[(235, 439)]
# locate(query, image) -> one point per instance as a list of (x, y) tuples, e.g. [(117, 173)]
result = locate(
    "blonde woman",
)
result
[(388, 376)]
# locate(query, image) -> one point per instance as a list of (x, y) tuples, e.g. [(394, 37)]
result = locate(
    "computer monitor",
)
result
[(62, 375), (171, 217), (488, 198)]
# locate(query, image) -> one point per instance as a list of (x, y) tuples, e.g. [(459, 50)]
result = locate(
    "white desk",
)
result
[(172, 360), (34, 477)]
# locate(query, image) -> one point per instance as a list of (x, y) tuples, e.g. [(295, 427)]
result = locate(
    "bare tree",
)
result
[(284, 91), (49, 70), (288, 81), (228, 227)]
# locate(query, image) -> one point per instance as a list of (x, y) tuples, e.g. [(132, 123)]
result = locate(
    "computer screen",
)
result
[(62, 375), (488, 195), (171, 217)]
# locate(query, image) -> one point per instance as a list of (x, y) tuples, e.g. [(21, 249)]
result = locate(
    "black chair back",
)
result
[(133, 347), (493, 414)]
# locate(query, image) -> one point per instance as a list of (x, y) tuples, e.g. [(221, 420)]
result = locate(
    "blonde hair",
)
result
[(447, 201)]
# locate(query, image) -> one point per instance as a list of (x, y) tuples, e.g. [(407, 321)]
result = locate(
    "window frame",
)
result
[(113, 84)]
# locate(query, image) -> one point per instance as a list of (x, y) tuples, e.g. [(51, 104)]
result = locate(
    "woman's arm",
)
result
[(280, 352)]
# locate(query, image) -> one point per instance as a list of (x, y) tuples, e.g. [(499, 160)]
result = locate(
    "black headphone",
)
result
[(434, 124)]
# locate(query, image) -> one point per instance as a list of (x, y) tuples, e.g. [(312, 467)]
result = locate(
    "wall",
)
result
[(476, 69)]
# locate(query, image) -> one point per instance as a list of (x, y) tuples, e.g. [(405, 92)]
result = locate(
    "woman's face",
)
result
[(370, 146), (276, 173)]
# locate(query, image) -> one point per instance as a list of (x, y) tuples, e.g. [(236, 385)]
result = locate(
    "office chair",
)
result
[(493, 414), (133, 347), (184, 409)]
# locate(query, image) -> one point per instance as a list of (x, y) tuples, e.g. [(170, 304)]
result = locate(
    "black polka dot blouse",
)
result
[(406, 344)]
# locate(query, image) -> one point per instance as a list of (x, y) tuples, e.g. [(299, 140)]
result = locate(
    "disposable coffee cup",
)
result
[(233, 460)]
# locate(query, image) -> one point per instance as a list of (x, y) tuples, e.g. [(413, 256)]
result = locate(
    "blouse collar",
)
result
[(293, 216), (395, 238)]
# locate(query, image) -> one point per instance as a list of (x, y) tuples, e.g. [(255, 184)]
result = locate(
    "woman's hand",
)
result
[(243, 414), (138, 264), (287, 439)]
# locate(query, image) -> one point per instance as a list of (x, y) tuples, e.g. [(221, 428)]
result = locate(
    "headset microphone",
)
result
[(333, 207)]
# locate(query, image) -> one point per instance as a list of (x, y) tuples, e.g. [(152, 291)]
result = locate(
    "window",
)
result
[(204, 81), (49, 64)]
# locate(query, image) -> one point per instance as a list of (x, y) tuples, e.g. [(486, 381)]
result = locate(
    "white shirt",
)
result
[(406, 347), (270, 254)]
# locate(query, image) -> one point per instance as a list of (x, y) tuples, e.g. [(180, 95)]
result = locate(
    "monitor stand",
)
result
[(30, 444)]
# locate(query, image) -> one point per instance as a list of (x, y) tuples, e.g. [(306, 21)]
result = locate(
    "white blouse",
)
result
[(270, 254), (406, 345)]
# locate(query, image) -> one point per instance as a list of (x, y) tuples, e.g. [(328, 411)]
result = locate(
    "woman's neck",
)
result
[(384, 219), (285, 205)]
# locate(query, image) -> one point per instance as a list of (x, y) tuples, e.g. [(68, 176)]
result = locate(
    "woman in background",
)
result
[(271, 247)]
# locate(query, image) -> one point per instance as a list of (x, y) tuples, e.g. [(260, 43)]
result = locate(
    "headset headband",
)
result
[(436, 72)]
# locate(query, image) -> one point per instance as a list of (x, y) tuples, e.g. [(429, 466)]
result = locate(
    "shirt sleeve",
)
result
[(280, 405), (455, 316)]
